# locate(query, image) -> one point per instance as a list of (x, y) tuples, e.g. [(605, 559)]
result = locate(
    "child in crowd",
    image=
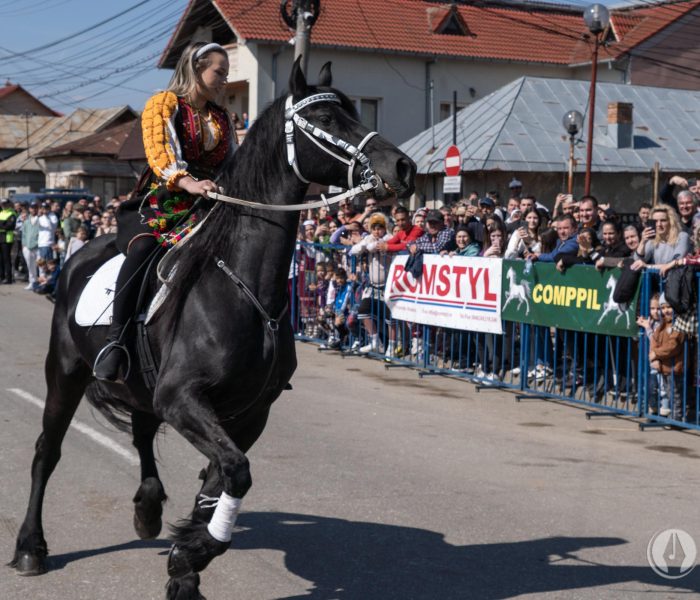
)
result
[(666, 357), (47, 284), (319, 290), (77, 241), (649, 324), (338, 303)]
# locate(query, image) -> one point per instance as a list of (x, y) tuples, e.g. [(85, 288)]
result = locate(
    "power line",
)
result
[(90, 28)]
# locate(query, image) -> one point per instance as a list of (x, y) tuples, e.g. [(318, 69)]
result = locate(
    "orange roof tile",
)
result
[(495, 30)]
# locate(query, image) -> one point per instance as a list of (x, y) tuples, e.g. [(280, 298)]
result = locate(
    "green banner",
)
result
[(580, 299)]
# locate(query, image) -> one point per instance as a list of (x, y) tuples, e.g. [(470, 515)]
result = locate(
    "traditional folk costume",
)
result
[(179, 140)]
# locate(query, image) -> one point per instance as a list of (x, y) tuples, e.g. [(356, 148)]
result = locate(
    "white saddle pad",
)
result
[(95, 303)]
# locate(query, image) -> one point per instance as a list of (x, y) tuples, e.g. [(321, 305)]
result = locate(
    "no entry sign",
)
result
[(453, 162)]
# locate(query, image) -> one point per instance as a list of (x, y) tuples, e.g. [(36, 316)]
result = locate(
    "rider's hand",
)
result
[(194, 187)]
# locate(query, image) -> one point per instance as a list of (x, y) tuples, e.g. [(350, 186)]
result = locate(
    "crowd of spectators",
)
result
[(46, 234), (343, 259), (338, 275)]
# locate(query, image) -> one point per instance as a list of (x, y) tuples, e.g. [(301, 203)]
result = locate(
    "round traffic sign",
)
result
[(453, 162)]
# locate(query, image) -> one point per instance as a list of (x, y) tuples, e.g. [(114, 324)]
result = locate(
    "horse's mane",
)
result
[(252, 174)]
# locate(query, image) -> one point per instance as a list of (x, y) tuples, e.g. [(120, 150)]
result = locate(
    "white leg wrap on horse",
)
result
[(224, 517)]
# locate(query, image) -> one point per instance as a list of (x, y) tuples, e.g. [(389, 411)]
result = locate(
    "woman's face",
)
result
[(533, 221), (332, 227), (631, 239), (661, 219), (212, 80), (462, 239), (309, 232), (610, 235), (420, 221), (496, 237), (341, 216)]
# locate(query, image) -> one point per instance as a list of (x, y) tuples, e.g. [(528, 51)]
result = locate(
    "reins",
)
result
[(369, 178)]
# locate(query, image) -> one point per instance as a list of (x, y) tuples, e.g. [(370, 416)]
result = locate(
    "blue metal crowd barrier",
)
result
[(609, 374)]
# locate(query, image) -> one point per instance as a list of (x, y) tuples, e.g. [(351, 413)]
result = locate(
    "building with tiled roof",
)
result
[(100, 162), (401, 60), (15, 100), (24, 171)]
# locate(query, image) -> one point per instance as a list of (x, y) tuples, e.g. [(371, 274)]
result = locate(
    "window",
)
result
[(368, 109), (446, 109)]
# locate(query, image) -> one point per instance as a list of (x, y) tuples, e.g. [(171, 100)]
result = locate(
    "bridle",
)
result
[(369, 178), (315, 133)]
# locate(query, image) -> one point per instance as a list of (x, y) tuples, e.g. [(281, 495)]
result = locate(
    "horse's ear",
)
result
[(325, 77), (297, 81)]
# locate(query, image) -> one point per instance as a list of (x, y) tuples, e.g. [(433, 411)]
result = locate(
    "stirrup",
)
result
[(116, 346)]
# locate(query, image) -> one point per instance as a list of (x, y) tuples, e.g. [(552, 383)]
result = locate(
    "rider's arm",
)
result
[(160, 141)]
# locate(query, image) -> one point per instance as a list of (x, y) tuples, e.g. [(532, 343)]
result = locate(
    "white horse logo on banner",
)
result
[(517, 291), (610, 305)]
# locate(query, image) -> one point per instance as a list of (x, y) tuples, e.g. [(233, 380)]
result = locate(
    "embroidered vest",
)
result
[(200, 163)]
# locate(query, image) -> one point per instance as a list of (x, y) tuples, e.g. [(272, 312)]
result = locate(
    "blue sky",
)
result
[(108, 65)]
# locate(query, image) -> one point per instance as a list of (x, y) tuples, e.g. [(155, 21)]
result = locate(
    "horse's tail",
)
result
[(116, 412)]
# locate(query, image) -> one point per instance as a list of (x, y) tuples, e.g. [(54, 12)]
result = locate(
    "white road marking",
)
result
[(93, 434)]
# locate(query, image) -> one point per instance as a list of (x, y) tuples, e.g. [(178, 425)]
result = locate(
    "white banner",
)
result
[(458, 292)]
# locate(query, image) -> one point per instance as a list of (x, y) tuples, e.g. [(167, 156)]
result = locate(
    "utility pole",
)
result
[(27, 114), (300, 17)]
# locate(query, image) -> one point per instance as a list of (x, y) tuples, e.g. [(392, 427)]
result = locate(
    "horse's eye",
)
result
[(325, 120)]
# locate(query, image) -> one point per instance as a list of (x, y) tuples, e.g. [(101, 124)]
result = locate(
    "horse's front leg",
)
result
[(149, 498), (196, 543)]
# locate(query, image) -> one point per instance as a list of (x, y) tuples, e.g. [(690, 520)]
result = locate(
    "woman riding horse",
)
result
[(187, 138)]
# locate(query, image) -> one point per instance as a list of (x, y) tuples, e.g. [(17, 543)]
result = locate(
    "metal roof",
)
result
[(519, 128), (13, 129)]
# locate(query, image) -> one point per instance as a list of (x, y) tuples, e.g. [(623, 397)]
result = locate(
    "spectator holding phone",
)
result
[(663, 241), (495, 240), (527, 237)]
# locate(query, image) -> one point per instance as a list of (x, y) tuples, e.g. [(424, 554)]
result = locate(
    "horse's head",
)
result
[(327, 144)]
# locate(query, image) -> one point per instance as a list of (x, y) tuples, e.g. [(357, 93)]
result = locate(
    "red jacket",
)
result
[(399, 241)]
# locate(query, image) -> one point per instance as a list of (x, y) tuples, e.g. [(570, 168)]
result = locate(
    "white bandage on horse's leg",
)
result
[(224, 517)]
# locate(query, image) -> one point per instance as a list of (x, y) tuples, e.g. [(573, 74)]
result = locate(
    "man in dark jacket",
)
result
[(566, 244)]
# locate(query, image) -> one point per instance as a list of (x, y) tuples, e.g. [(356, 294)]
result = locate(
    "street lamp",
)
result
[(597, 19), (572, 121)]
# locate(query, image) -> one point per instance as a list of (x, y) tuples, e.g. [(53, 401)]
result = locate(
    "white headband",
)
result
[(207, 48)]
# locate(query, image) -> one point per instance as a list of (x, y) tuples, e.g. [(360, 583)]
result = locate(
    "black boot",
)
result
[(114, 356)]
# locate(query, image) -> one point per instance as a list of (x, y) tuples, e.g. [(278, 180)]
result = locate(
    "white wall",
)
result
[(397, 81)]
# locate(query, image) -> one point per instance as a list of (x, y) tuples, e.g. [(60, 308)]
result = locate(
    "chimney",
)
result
[(620, 123)]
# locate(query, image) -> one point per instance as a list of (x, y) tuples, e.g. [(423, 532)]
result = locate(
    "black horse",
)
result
[(221, 364)]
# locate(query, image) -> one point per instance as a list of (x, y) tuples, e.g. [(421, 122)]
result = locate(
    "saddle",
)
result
[(94, 308)]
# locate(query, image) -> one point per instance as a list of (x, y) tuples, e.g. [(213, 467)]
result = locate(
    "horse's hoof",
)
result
[(147, 530), (184, 588), (28, 565), (148, 508)]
